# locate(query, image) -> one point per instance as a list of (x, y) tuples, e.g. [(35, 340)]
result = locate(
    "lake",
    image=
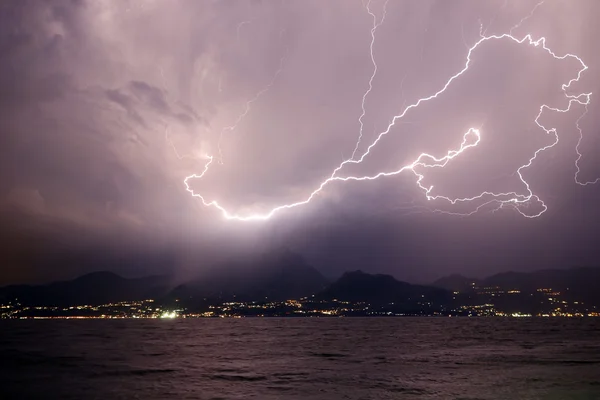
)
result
[(301, 358)]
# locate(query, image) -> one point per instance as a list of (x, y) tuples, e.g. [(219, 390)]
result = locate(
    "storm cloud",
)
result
[(107, 106)]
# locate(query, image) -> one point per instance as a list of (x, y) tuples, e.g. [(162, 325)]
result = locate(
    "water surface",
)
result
[(320, 358)]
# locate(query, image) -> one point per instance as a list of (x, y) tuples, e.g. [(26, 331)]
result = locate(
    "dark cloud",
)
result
[(106, 107)]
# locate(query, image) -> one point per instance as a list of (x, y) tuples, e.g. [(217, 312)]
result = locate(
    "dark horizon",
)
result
[(252, 264), (290, 288), (178, 276)]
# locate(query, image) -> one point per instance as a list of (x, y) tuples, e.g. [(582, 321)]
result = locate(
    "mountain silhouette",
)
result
[(359, 286), (456, 282), (95, 288), (277, 275), (576, 284)]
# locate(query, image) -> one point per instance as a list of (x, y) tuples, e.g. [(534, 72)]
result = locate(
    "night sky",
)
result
[(106, 106)]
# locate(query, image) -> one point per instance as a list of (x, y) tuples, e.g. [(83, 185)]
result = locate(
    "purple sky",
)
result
[(107, 106)]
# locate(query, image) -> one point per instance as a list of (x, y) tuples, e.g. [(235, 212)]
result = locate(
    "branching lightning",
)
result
[(471, 139), (182, 156), (247, 107), (237, 30), (518, 25), (364, 98), (579, 155)]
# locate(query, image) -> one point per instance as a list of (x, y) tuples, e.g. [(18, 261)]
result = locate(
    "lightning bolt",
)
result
[(248, 105), (182, 156), (364, 98), (525, 18), (240, 117), (579, 155), (470, 140), (493, 19), (237, 30)]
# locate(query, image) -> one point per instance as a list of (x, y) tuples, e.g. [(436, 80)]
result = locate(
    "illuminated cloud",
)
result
[(107, 106), (519, 198)]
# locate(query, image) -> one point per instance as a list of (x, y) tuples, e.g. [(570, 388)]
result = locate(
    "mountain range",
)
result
[(359, 286), (578, 284), (96, 288), (278, 275), (285, 275)]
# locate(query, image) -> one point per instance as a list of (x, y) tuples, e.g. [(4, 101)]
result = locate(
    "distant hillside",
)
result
[(456, 282), (282, 275), (359, 286), (578, 283), (95, 288), (277, 275)]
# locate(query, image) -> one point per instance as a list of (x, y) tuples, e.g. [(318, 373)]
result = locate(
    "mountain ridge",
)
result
[(98, 287), (285, 275), (577, 284)]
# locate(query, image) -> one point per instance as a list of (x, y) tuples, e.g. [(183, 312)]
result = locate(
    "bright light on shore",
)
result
[(167, 314)]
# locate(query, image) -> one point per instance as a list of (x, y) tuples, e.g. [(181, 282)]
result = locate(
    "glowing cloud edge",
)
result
[(512, 199)]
